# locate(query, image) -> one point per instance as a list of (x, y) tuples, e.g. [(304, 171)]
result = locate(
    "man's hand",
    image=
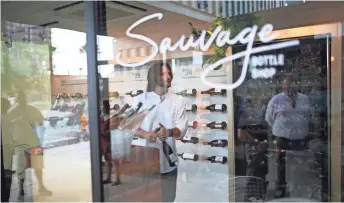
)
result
[(151, 136), (116, 121), (163, 133)]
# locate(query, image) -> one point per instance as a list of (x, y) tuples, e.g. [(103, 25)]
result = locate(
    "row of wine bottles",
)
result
[(212, 125), (133, 93), (68, 96), (213, 108), (188, 92), (211, 92), (212, 143), (196, 157), (193, 107)]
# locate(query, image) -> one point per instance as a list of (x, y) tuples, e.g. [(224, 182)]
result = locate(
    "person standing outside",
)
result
[(288, 115), (252, 130), (163, 125), (23, 118)]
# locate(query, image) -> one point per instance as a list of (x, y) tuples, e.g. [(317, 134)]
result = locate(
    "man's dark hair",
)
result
[(153, 75)]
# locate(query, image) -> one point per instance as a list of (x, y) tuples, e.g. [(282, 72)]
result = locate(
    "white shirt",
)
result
[(170, 112), (288, 122)]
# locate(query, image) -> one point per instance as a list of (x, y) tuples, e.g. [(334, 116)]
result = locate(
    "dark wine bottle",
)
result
[(216, 125), (189, 92), (191, 107), (217, 143), (214, 91), (167, 150), (216, 107), (114, 94), (193, 140), (217, 159), (193, 124), (134, 93), (188, 156)]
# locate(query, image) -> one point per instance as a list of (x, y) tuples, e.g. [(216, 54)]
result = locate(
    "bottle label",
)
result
[(188, 107), (187, 138), (190, 124), (217, 90), (189, 91), (204, 125), (218, 107), (218, 126), (173, 157), (188, 156), (218, 159)]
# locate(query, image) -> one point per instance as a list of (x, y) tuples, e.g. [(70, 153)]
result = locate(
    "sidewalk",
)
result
[(67, 173)]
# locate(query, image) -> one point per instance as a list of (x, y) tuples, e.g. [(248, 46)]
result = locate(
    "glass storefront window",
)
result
[(45, 139), (198, 100)]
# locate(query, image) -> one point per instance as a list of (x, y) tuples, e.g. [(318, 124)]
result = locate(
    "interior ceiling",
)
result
[(120, 15), (70, 15)]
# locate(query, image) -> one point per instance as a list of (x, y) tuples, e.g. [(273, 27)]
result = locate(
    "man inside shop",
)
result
[(163, 125), (252, 130), (288, 115)]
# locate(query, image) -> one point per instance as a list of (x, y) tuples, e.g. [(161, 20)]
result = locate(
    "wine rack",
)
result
[(204, 105)]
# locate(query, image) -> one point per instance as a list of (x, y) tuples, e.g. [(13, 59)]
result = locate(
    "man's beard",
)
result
[(164, 85)]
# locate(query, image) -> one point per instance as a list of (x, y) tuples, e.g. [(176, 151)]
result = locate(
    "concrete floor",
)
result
[(67, 174)]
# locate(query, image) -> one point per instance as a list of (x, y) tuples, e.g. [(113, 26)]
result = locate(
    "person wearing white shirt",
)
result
[(163, 125), (288, 115)]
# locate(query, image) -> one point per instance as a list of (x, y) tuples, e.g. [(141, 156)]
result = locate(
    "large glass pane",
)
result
[(45, 137), (268, 127)]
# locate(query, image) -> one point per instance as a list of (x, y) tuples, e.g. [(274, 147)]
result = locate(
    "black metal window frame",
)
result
[(91, 23)]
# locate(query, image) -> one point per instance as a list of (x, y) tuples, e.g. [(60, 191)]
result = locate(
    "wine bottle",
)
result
[(167, 150), (193, 124), (114, 94), (188, 156), (217, 159), (216, 107), (216, 125), (189, 92), (214, 91), (193, 140), (134, 93), (217, 143), (191, 107)]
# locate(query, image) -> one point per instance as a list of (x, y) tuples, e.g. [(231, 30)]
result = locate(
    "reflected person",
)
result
[(163, 125), (24, 117), (252, 130), (288, 115)]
